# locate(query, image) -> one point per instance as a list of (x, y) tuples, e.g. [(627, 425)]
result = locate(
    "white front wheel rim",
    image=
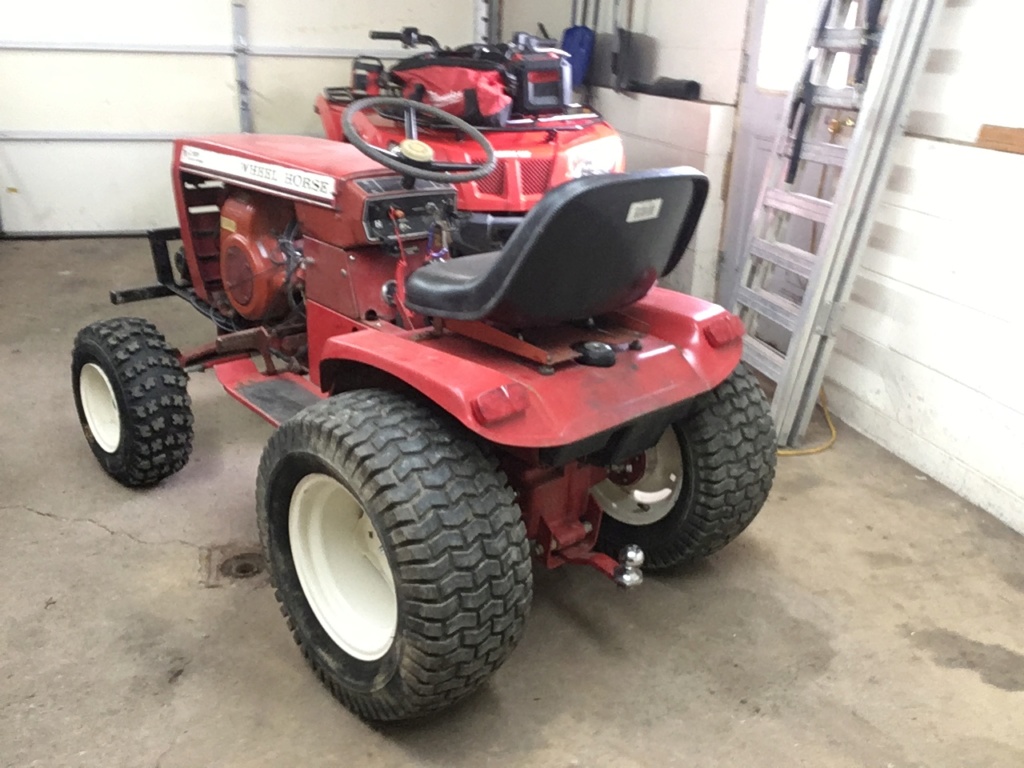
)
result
[(342, 567), (654, 494), (99, 404)]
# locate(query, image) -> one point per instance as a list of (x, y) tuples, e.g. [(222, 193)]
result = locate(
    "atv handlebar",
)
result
[(409, 37)]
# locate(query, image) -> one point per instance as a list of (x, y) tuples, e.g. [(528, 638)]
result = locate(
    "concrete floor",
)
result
[(869, 617)]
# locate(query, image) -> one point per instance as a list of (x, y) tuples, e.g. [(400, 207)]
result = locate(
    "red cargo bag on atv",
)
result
[(475, 90)]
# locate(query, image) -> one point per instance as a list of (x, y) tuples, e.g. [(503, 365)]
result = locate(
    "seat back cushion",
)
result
[(590, 246)]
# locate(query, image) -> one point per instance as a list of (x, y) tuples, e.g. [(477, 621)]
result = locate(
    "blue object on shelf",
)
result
[(578, 42)]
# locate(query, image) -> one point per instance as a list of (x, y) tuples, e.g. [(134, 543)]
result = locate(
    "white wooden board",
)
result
[(330, 24), (85, 186), (116, 93), (183, 22), (929, 361), (77, 124)]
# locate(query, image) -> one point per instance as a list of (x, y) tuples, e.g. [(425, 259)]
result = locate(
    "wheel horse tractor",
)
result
[(518, 94), (442, 423)]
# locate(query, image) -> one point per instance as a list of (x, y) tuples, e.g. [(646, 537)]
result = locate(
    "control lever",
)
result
[(438, 251)]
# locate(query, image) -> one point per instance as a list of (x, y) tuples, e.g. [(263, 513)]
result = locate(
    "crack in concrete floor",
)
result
[(101, 526)]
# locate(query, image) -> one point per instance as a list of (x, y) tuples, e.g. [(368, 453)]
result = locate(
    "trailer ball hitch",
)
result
[(628, 573)]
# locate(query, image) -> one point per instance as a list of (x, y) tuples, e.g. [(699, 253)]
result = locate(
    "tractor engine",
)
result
[(259, 265)]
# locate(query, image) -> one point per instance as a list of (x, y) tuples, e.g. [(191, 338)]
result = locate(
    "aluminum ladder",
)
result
[(803, 250)]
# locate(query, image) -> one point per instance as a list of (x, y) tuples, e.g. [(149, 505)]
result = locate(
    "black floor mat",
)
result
[(278, 398)]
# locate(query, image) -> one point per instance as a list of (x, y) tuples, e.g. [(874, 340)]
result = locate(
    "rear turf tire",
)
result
[(450, 575), (719, 462), (130, 393)]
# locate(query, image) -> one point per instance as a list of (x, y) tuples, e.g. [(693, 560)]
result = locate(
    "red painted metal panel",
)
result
[(529, 162), (302, 153), (323, 323), (676, 363)]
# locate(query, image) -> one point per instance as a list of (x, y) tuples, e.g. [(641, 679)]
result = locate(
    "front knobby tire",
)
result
[(396, 550), (131, 397), (716, 466)]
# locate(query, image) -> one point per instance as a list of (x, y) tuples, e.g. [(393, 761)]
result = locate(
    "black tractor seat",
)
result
[(589, 247)]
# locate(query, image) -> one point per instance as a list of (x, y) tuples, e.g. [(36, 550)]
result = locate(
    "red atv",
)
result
[(442, 422), (518, 94)]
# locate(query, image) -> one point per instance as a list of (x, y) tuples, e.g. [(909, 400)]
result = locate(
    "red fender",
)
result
[(691, 347), (330, 117)]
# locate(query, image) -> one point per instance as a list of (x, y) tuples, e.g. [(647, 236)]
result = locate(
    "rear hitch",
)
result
[(563, 518), (628, 574)]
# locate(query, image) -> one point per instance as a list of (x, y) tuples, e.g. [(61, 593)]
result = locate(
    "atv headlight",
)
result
[(594, 157)]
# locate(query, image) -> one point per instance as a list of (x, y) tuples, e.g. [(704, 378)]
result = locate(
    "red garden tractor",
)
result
[(519, 94), (442, 424)]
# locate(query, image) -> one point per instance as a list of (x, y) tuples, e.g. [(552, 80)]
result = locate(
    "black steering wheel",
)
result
[(413, 157)]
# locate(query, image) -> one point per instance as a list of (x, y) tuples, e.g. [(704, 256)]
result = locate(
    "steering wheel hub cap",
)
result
[(415, 150)]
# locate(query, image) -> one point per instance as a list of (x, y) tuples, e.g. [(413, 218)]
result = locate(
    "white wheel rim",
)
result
[(654, 494), (342, 567), (100, 407)]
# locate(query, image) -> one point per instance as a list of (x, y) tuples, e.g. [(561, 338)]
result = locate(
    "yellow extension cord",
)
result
[(823, 402)]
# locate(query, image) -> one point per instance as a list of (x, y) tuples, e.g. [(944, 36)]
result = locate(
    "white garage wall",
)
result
[(58, 92), (198, 22), (86, 186), (65, 165), (659, 133), (695, 40), (311, 35), (85, 131), (524, 15), (927, 362), (701, 41)]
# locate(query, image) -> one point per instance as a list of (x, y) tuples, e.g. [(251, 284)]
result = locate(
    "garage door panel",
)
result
[(330, 24), (92, 92), (283, 91), (183, 22), (54, 187), (117, 92)]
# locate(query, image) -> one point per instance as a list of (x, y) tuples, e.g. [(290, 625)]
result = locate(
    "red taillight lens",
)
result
[(500, 403), (723, 329), (544, 76)]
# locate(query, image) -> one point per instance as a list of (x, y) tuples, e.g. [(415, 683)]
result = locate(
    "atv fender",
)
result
[(691, 346)]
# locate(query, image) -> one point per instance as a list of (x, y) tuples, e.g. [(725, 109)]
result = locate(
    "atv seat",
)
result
[(590, 246)]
